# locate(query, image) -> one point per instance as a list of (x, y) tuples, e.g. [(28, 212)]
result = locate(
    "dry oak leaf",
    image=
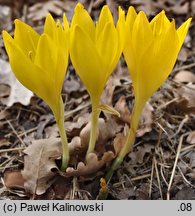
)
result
[(137, 157), (13, 180), (39, 164), (93, 164), (106, 130), (107, 94), (74, 128), (122, 108), (40, 10), (120, 140), (191, 138), (184, 76), (146, 121), (187, 98)]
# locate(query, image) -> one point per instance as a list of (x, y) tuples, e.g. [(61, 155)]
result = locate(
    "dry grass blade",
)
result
[(175, 164)]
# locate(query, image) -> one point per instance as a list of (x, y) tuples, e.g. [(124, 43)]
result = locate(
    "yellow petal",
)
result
[(26, 72), (120, 27), (46, 56), (142, 35), (83, 20), (86, 61), (50, 27), (129, 54), (130, 19), (61, 36), (108, 48), (66, 23), (104, 18), (26, 38), (160, 23), (182, 31), (156, 64)]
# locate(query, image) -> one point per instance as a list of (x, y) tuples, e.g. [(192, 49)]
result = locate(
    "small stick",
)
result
[(151, 178), (158, 178), (11, 149), (175, 164), (15, 132)]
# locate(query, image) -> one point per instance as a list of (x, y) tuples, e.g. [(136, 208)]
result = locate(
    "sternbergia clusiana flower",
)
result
[(39, 63), (150, 51), (95, 50)]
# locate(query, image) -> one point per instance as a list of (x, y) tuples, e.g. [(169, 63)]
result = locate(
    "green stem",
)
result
[(94, 127), (60, 123), (137, 110)]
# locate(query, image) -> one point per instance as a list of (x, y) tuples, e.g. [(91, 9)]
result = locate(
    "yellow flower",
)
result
[(39, 63), (95, 50), (150, 50)]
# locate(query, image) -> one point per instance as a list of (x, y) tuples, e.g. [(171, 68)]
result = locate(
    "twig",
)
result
[(187, 182), (11, 149), (90, 6), (184, 67), (187, 148), (69, 113), (15, 132), (141, 177), (180, 126), (158, 178), (28, 131), (151, 178), (166, 104), (162, 174), (175, 164)]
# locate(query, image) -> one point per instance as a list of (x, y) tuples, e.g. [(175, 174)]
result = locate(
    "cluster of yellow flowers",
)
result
[(40, 61)]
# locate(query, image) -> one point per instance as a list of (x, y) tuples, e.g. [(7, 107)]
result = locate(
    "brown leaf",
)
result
[(120, 140), (183, 54), (112, 4), (4, 90), (185, 76), (192, 160), (44, 120), (4, 142), (75, 144), (62, 188), (107, 95), (4, 114), (146, 121), (93, 164), (51, 131), (14, 180), (187, 98), (185, 193), (39, 164), (137, 157), (40, 10), (74, 128), (73, 85), (106, 130), (146, 6), (122, 108), (191, 138)]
